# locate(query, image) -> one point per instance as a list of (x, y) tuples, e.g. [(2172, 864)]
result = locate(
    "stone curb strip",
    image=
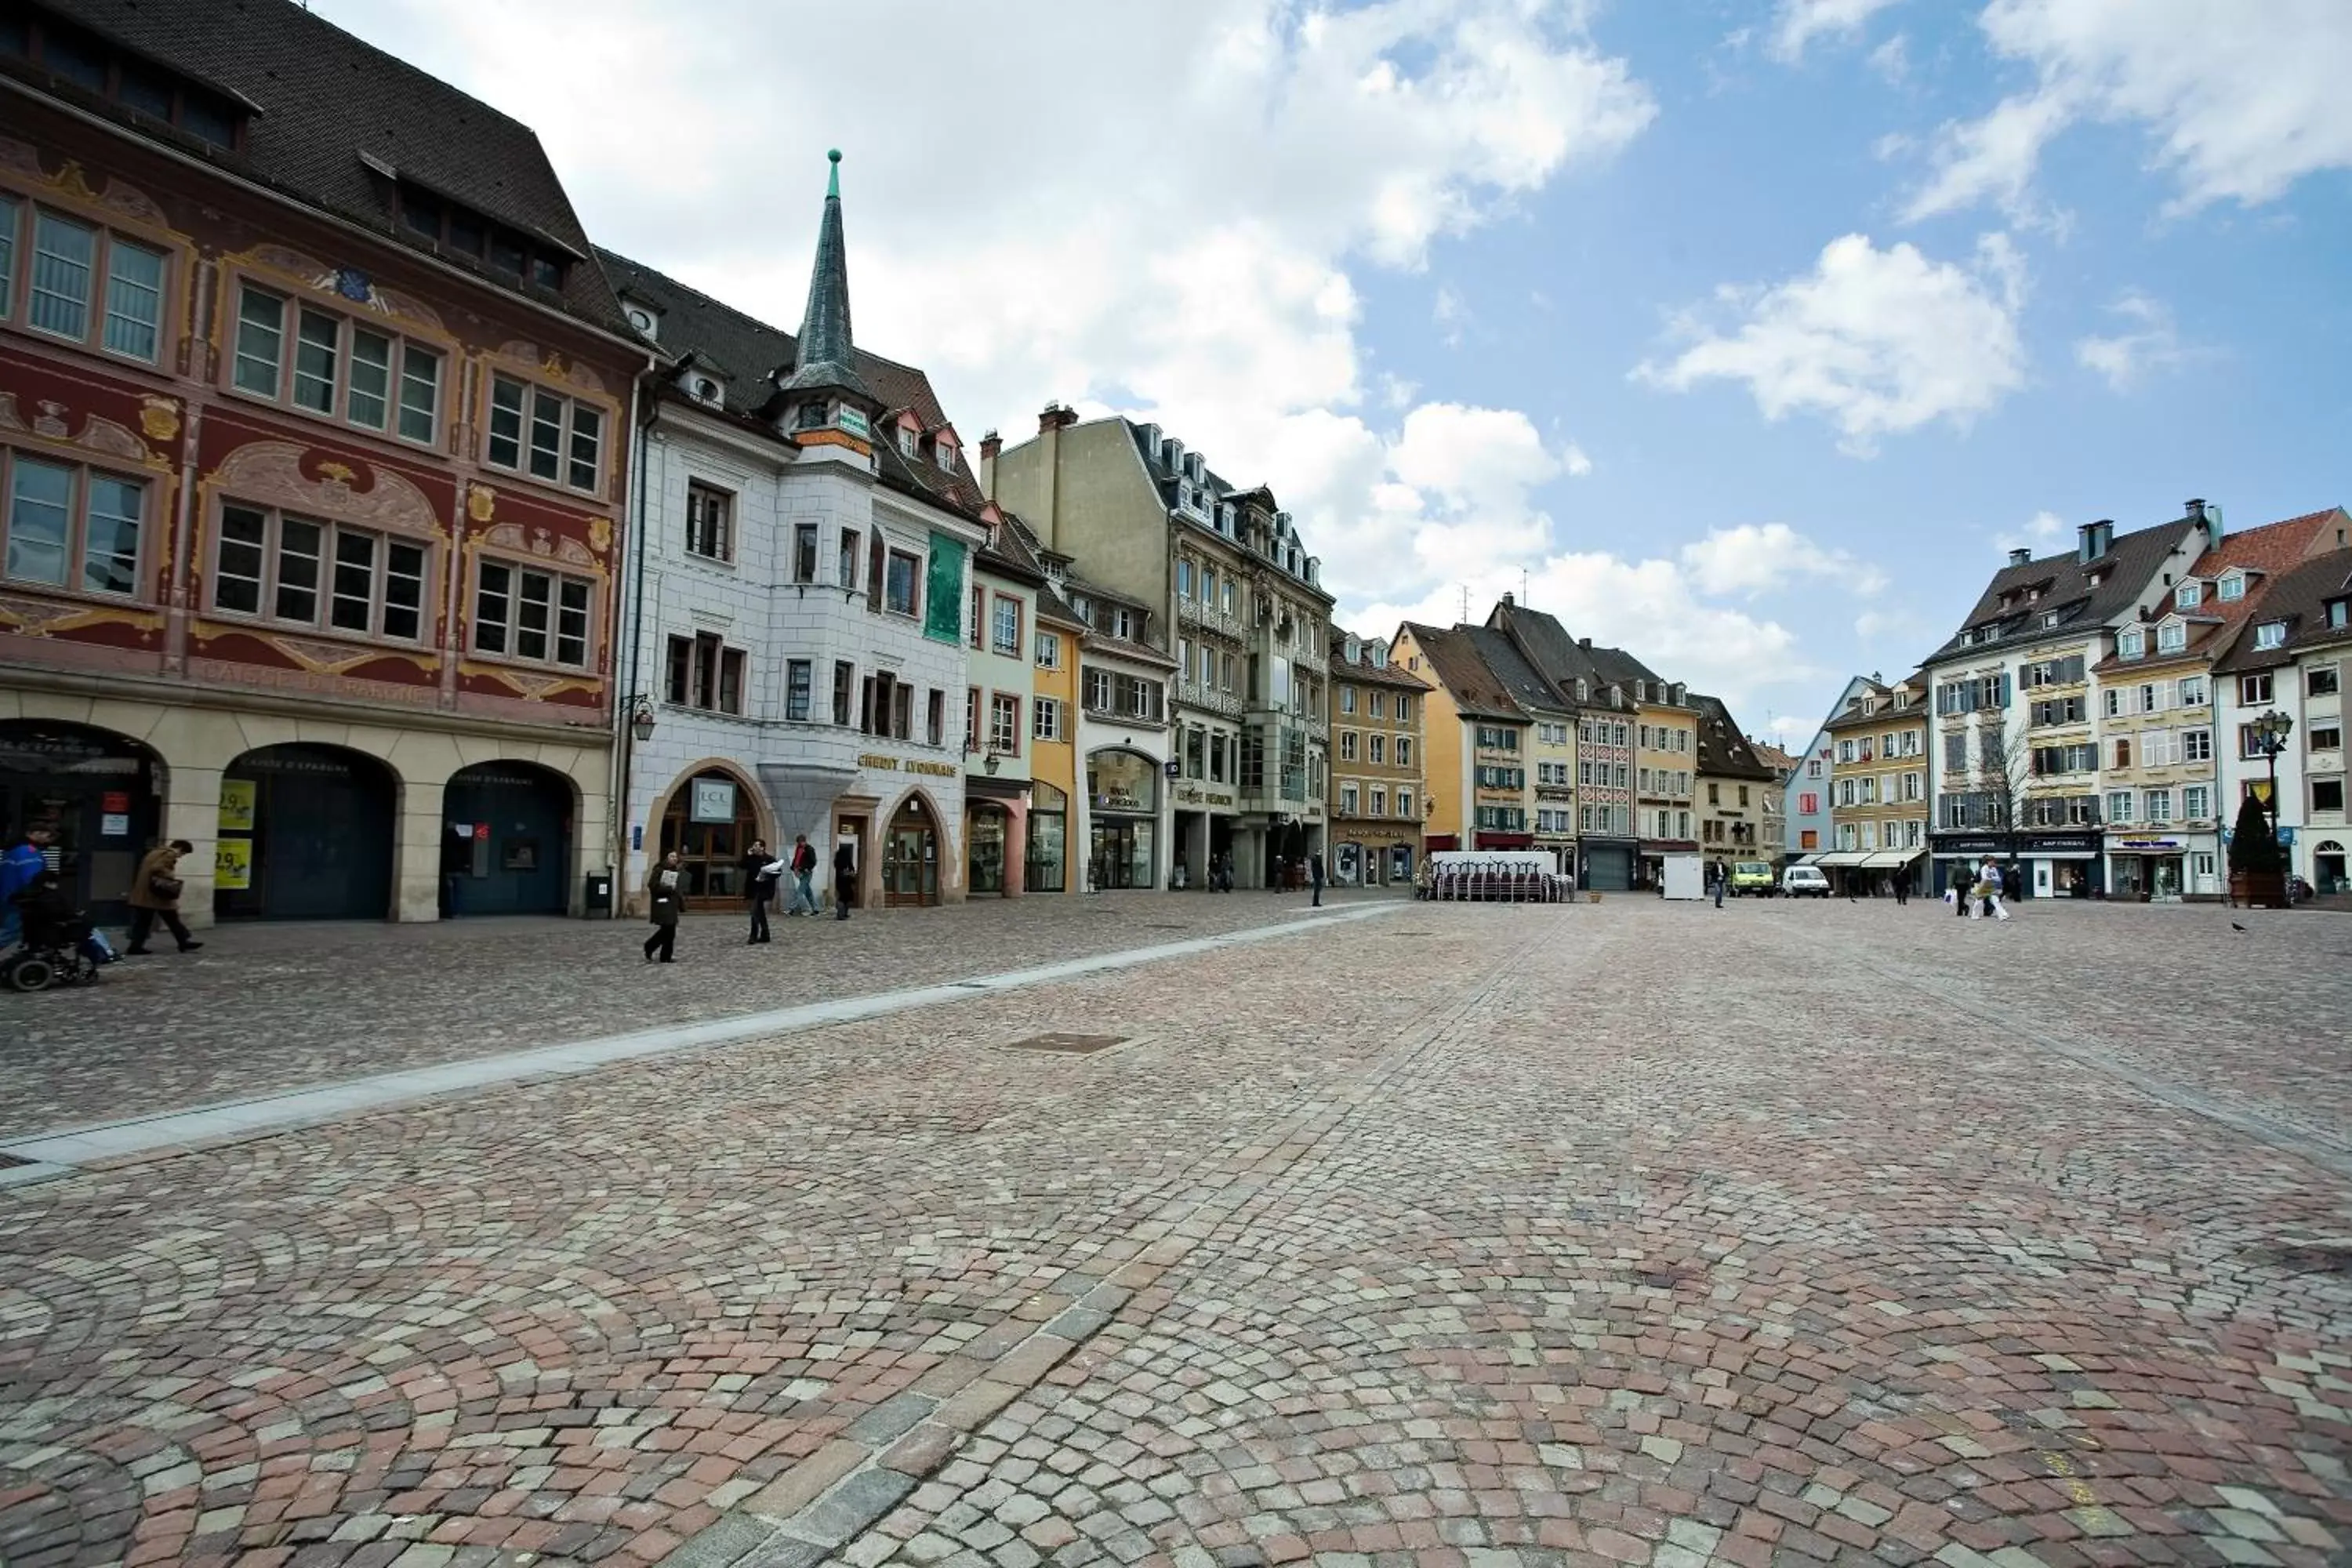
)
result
[(47, 1156), (845, 1488)]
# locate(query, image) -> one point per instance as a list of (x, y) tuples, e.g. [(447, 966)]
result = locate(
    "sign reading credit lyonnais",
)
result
[(909, 764)]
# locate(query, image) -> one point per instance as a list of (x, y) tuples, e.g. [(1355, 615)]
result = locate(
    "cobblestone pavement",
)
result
[(274, 1007), (1779, 1235)]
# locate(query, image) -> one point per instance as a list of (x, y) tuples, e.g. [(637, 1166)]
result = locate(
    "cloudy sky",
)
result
[(1745, 334)]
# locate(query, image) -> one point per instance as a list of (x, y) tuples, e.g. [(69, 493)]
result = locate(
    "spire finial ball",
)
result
[(833, 154)]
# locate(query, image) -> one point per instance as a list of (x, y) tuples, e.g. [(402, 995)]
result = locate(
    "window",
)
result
[(71, 527), (2195, 745), (971, 719), (935, 717), (845, 675), (546, 435), (1347, 699), (2254, 689), (975, 620), (2171, 637), (339, 368), (2130, 644), (1004, 724), (703, 673), (2197, 803), (2159, 805), (543, 616), (2271, 634), (1049, 650), (2250, 741), (2119, 805), (2191, 691), (805, 552), (2233, 588), (1346, 745), (1004, 630), (1375, 746), (901, 575), (1404, 804), (1098, 690), (292, 569), (1048, 725), (1184, 578), (1377, 702), (2338, 612), (1404, 754), (2123, 753), (844, 566), (67, 257), (1347, 800), (2328, 795), (1809, 805), (2187, 596), (2325, 737), (2321, 680), (1380, 801), (796, 690), (709, 521)]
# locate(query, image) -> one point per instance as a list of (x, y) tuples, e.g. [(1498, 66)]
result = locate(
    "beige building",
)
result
[(1377, 794), (1878, 788)]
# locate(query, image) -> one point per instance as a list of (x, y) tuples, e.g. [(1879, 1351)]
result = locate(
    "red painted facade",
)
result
[(376, 552)]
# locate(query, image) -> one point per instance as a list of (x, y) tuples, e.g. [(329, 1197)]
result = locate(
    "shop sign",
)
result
[(1123, 782), (714, 801), (2060, 843), (114, 801), (233, 864), (236, 803), (2163, 846), (114, 825), (881, 763)]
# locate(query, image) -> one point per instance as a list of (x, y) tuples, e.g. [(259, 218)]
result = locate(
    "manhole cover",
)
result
[(1067, 1045), (2305, 1257)]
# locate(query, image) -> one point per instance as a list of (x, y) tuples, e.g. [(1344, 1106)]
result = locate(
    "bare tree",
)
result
[(2003, 775)]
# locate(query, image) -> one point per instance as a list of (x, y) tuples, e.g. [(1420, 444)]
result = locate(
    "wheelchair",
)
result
[(53, 951)]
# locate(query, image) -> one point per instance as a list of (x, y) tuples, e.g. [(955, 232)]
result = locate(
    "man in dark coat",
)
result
[(845, 878), (664, 888)]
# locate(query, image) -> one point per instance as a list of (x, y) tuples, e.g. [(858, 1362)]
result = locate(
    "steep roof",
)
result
[(2298, 600), (1722, 750), (2271, 551), (333, 112), (1563, 659), (1362, 671), (1773, 757), (2062, 585), (747, 353), (827, 354), (1524, 683), (1478, 692)]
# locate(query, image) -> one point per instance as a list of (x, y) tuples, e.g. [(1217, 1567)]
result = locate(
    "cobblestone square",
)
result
[(1627, 1233)]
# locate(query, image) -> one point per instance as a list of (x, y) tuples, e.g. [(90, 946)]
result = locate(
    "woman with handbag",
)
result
[(155, 896)]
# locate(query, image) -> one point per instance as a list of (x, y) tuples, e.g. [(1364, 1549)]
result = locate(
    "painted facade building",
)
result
[(2293, 655), (314, 459), (1377, 793), (799, 598)]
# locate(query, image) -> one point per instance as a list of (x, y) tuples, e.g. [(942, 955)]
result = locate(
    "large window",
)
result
[(319, 361), (901, 573), (545, 434), (1004, 724), (278, 567), (709, 521), (79, 282), (72, 527), (705, 673), (797, 680), (1004, 629), (522, 613)]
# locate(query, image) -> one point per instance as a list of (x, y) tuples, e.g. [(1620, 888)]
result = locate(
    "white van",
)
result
[(1804, 882)]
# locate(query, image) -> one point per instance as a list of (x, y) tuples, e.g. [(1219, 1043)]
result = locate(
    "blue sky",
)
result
[(1746, 335)]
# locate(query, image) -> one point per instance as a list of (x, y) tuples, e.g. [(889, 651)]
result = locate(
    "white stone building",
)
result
[(805, 528)]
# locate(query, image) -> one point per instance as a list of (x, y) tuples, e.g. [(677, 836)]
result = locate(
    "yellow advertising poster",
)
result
[(233, 863), (236, 805)]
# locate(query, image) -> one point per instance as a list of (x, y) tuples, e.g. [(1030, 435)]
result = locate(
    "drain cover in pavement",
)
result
[(1067, 1045)]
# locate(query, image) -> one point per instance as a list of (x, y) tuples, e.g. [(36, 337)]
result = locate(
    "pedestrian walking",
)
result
[(20, 868), (1994, 881), (1902, 888), (155, 896), (803, 867), (761, 872), (1722, 878), (1314, 879), (844, 878), (664, 888)]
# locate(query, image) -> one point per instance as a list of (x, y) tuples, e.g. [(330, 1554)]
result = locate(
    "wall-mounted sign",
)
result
[(115, 800), (237, 800), (853, 421), (233, 864), (114, 825), (714, 801)]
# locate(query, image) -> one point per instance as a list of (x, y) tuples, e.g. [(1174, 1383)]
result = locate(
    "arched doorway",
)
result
[(306, 834), (711, 819), (1123, 792), (2327, 867), (985, 837), (506, 840), (910, 858), (99, 797)]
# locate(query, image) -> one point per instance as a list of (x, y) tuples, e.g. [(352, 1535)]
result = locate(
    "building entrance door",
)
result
[(910, 859), (1122, 853), (710, 822)]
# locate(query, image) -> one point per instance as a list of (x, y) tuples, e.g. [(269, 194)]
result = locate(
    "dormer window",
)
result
[(2171, 637), (89, 62), (2339, 612), (2231, 588), (2131, 645), (2051, 618), (458, 229), (2271, 634), (644, 320), (2188, 596), (944, 453), (905, 442)]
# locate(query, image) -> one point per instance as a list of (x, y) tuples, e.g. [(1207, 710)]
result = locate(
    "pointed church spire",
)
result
[(828, 357)]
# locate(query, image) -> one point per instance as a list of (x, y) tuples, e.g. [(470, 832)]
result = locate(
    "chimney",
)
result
[(2094, 540), (2020, 556), (1509, 601), (1047, 499), (991, 444), (2195, 508), (1055, 418), (1584, 642)]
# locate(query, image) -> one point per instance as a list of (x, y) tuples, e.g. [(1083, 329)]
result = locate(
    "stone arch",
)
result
[(308, 830), (508, 838), (946, 826), (96, 791), (758, 820)]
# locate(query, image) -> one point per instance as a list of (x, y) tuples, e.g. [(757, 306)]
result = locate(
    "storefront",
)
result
[(1123, 809), (910, 858), (2327, 870), (1893, 868), (96, 793), (2152, 868), (1046, 867), (711, 820), (506, 834), (1609, 864), (306, 834), (986, 836), (1357, 864), (2048, 865)]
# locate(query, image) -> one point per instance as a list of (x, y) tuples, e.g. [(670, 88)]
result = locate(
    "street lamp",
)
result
[(2270, 733), (641, 720), (989, 765)]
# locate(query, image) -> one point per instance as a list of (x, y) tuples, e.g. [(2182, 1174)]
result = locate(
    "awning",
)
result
[(1888, 859), (1812, 858), (1845, 857)]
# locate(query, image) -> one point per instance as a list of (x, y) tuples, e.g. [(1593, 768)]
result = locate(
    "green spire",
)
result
[(833, 180), (827, 356)]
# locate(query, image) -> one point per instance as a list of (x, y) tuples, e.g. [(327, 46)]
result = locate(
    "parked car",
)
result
[(1804, 882), (1753, 877)]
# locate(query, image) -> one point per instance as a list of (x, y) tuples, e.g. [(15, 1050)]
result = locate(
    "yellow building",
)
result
[(1665, 764), (1880, 754), (1052, 654), (1376, 762), (1476, 740)]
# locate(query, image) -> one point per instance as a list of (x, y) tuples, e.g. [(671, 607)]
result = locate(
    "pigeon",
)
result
[(2235, 926)]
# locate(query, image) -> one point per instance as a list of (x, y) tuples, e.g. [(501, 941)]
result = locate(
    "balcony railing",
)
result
[(1192, 612), (1195, 694)]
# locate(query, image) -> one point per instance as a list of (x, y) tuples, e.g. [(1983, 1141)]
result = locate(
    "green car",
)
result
[(1753, 877)]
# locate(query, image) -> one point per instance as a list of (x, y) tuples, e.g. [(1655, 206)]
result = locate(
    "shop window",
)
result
[(296, 570), (72, 527)]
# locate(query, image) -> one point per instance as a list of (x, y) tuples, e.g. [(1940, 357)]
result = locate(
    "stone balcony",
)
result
[(1194, 613), (1208, 699)]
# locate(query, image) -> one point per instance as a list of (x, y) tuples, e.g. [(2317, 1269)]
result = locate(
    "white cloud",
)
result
[(1798, 22), (2150, 344), (1892, 60), (1451, 315), (1573, 459), (1878, 341), (1752, 559), (2240, 102), (1205, 281), (2040, 534)]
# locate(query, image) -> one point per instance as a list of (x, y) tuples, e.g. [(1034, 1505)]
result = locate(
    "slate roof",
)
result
[(1524, 683), (2300, 599), (746, 353), (326, 99), (1361, 671), (2064, 587), (1478, 692), (1723, 751), (2270, 549), (1563, 659)]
